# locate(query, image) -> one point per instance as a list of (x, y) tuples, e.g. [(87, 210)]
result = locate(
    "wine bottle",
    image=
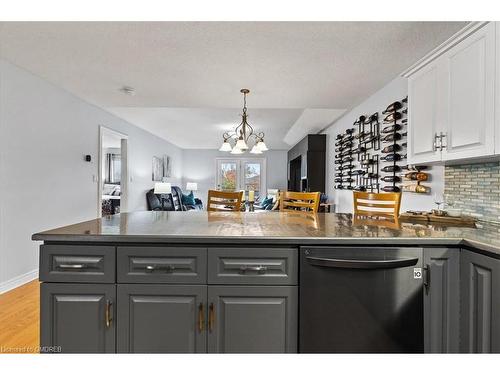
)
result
[(347, 160), (358, 172), (338, 174), (392, 107), (391, 157), (391, 148), (391, 179), (361, 134), (393, 117), (348, 139), (390, 129), (360, 188), (369, 139), (416, 188), (367, 162), (347, 180), (371, 175), (338, 180), (417, 176), (391, 189), (350, 131), (391, 137), (391, 168)]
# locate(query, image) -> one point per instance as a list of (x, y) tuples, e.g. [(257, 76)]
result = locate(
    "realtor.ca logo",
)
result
[(30, 349)]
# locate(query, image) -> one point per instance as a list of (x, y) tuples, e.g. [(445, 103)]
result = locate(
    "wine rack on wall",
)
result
[(371, 156)]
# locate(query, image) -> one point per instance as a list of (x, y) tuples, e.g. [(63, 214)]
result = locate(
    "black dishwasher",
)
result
[(361, 300)]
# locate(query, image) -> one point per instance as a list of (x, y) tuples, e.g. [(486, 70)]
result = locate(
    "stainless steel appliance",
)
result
[(361, 300)]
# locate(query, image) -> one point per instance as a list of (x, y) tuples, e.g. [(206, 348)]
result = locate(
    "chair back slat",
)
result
[(295, 201), (377, 204), (224, 200)]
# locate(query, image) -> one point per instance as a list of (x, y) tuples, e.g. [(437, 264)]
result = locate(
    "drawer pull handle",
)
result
[(201, 318), (108, 316), (259, 269), (211, 317), (168, 268), (72, 266)]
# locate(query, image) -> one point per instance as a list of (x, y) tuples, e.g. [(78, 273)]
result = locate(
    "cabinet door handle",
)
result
[(211, 317), (259, 269), (201, 318), (441, 144), (108, 317), (427, 278), (435, 145), (168, 268), (72, 266)]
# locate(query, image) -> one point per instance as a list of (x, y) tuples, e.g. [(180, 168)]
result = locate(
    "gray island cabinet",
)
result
[(151, 282), (169, 299)]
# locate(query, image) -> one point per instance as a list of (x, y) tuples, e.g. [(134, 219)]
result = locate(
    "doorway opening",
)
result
[(112, 194)]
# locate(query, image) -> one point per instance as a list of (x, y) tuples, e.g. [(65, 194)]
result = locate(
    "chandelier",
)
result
[(243, 134)]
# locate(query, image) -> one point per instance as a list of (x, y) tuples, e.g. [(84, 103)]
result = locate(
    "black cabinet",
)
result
[(162, 318), (441, 300), (78, 318), (307, 164), (480, 303)]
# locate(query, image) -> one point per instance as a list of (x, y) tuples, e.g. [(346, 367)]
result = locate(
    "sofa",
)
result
[(172, 202)]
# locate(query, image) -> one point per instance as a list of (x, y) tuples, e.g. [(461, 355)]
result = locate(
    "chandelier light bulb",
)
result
[(241, 144), (226, 146), (262, 146), (255, 150)]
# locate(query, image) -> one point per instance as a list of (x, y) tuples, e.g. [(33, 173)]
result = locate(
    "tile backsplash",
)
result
[(474, 189)]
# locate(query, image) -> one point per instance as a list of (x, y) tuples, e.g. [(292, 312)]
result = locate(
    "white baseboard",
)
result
[(18, 281)]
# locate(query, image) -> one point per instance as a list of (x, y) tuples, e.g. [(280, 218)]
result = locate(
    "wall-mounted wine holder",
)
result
[(377, 144)]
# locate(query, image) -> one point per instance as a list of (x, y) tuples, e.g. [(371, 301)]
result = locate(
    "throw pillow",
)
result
[(188, 199), (266, 202)]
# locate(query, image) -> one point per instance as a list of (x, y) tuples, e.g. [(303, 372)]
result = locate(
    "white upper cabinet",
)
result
[(452, 102), (423, 113), (497, 91), (469, 123)]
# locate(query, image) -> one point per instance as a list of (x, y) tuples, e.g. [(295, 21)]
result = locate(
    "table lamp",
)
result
[(163, 188), (193, 186)]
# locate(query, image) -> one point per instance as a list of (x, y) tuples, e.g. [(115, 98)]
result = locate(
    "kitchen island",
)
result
[(229, 282)]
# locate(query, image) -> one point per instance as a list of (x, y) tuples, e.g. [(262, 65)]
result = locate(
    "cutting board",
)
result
[(428, 217)]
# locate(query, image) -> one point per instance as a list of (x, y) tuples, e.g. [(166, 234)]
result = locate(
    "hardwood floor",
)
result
[(20, 319)]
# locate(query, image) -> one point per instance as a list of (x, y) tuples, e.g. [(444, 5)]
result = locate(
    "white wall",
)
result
[(199, 166), (394, 90), (44, 181)]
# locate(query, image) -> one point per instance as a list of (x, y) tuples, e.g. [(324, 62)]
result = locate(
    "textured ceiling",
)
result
[(202, 65)]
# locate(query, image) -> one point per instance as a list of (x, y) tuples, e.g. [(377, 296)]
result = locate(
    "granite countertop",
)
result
[(270, 227)]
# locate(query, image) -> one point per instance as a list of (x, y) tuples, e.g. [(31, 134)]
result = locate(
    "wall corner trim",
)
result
[(456, 38), (18, 281)]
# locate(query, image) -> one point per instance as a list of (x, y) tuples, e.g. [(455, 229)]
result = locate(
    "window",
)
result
[(241, 174)]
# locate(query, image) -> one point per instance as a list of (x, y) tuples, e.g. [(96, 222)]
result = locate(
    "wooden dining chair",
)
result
[(294, 201), (377, 204), (224, 200)]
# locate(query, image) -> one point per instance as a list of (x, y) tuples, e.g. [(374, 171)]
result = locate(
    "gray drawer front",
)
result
[(176, 265), (253, 266), (77, 264)]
